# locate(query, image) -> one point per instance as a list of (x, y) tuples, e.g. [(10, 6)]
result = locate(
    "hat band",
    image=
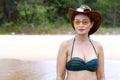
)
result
[(82, 9)]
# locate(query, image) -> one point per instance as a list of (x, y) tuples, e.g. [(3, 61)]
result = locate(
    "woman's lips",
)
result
[(81, 30)]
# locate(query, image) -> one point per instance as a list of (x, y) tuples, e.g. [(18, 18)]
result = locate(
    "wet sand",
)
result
[(13, 69), (33, 57)]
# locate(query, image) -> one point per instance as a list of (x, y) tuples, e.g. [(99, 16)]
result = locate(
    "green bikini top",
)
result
[(78, 64)]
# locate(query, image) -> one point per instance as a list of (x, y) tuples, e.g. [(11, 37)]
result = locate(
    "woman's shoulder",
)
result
[(98, 45), (66, 43), (64, 46)]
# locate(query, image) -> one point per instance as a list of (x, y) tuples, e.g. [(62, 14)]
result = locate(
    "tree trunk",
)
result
[(114, 18), (5, 12)]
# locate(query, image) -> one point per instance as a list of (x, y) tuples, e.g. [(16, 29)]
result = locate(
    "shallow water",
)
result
[(13, 69)]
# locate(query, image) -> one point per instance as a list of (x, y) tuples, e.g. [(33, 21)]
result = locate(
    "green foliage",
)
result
[(58, 9), (49, 13), (8, 11), (109, 10), (8, 24), (31, 11)]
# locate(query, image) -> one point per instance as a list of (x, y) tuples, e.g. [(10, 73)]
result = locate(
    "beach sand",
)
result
[(33, 57), (45, 47)]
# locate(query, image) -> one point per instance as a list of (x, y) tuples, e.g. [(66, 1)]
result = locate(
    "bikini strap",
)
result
[(90, 42), (72, 47), (93, 46)]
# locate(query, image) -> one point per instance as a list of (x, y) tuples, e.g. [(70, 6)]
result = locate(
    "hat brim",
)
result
[(95, 16)]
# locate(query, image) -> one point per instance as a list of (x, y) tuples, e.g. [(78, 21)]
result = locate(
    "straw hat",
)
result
[(86, 10)]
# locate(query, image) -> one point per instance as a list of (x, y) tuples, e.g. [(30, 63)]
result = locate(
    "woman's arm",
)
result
[(61, 61), (100, 71)]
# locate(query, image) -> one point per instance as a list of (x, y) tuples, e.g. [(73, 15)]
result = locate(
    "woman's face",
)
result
[(82, 24)]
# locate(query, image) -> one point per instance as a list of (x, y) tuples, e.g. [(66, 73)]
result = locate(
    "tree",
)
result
[(58, 9), (31, 11), (110, 11), (8, 11)]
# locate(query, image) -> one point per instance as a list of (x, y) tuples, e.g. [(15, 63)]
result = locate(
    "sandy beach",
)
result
[(33, 57), (45, 47)]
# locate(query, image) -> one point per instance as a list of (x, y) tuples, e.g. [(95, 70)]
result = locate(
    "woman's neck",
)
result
[(82, 39)]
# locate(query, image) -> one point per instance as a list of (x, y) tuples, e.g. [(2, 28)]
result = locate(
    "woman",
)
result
[(81, 58)]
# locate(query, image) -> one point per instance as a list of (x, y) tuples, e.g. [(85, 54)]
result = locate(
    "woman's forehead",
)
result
[(81, 16)]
